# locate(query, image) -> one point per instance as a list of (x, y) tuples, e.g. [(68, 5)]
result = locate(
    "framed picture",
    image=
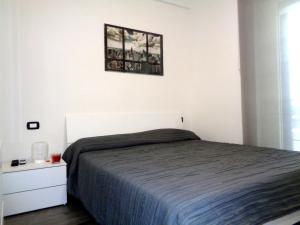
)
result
[(133, 51)]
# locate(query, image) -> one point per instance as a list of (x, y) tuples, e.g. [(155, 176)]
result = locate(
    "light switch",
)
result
[(33, 125)]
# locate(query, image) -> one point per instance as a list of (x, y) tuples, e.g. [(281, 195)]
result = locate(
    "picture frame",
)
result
[(133, 51)]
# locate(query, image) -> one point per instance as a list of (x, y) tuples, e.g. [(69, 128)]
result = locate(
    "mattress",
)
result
[(171, 177)]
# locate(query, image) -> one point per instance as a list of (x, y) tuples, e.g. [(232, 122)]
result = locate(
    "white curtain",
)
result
[(289, 21), (270, 72)]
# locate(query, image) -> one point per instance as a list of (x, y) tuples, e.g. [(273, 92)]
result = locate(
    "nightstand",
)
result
[(33, 186)]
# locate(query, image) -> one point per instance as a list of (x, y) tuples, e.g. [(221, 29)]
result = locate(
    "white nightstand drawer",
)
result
[(33, 179), (34, 200)]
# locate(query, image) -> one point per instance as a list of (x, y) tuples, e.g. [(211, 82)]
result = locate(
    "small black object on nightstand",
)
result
[(15, 163)]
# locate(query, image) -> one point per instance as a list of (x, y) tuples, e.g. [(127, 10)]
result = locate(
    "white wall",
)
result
[(57, 66), (247, 50), (215, 99), (2, 18), (2, 64)]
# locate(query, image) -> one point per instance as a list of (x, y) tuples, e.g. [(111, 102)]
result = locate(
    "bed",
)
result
[(172, 177)]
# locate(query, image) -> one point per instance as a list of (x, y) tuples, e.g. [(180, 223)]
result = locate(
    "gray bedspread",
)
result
[(178, 179)]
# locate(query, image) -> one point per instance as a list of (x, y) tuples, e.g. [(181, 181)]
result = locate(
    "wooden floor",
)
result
[(75, 214), (71, 214)]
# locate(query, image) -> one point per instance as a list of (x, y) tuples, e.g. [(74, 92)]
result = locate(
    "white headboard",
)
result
[(80, 125)]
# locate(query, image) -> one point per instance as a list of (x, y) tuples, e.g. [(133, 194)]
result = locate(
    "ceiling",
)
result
[(186, 4)]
